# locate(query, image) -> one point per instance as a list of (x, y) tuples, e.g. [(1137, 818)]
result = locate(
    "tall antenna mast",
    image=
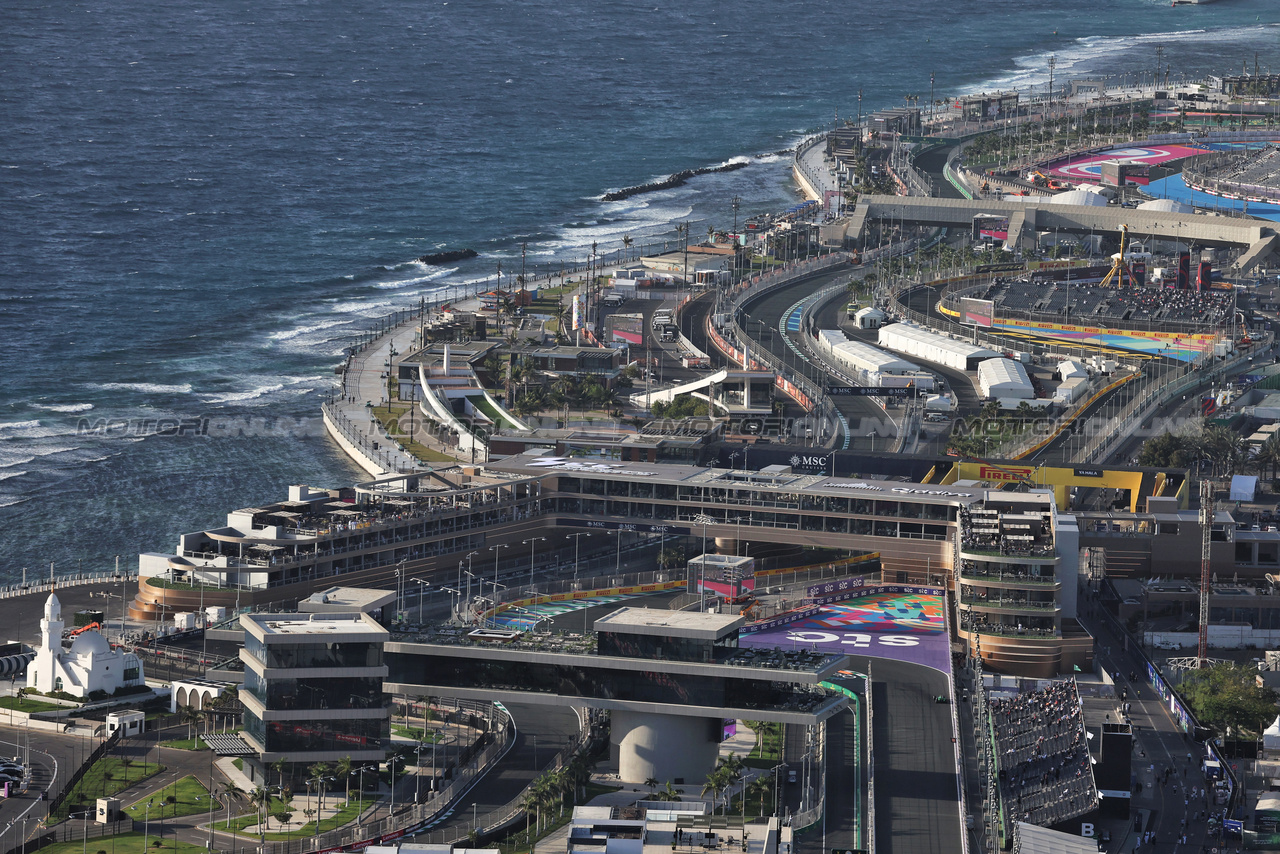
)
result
[(1202, 659), (1206, 531)]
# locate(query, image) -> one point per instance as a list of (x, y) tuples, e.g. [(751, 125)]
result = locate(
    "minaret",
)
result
[(41, 672)]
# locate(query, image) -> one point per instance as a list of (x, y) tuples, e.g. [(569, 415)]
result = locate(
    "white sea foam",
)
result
[(5, 475), (10, 500), (417, 280), (19, 425), (240, 396), (65, 407), (1082, 56), (145, 388), (288, 334)]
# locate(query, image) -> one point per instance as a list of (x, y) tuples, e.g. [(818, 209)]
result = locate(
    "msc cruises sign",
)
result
[(809, 462)]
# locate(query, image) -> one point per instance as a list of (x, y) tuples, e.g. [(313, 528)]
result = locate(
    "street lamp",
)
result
[(576, 543), (454, 594), (422, 586), (532, 544), (399, 587), (704, 520), (617, 564), (497, 550)]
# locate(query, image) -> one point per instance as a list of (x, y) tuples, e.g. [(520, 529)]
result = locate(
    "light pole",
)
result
[(497, 550), (532, 544), (146, 827), (399, 588), (617, 563), (704, 520), (577, 542), (422, 586), (453, 595)]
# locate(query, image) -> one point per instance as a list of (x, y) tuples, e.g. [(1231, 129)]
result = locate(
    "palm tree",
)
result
[(343, 769), (627, 240), (261, 799), (652, 783), (188, 715), (759, 786), (670, 792), (278, 766), (318, 773)]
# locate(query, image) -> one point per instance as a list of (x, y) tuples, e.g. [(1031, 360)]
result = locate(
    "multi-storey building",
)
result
[(313, 687)]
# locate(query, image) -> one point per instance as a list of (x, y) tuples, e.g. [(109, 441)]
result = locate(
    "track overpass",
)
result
[(1028, 216)]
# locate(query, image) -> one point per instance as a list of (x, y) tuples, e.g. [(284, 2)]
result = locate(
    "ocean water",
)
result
[(200, 204)]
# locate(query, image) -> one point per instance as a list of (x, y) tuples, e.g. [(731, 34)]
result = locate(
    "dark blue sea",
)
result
[(200, 203)]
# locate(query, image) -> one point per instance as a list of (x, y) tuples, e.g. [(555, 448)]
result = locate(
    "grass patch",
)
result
[(433, 736), (239, 763), (389, 417), (107, 776), (595, 789), (306, 827), (127, 842), (189, 798), (27, 705), (768, 750), (185, 744), (166, 584)]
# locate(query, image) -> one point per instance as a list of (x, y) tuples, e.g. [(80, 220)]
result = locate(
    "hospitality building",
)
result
[(313, 688), (671, 680)]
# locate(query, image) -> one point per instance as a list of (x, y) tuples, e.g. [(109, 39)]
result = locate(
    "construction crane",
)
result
[(1119, 269)]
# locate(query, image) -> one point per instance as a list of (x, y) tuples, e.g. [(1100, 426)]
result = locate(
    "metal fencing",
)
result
[(74, 579)]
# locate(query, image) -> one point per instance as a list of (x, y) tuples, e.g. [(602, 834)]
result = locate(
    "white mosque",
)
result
[(90, 665)]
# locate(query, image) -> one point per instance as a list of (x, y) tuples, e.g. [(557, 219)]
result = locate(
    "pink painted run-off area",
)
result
[(1088, 168)]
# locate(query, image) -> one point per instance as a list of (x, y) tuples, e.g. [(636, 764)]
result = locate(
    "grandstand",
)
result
[(1042, 755), (1085, 301), (1250, 175)]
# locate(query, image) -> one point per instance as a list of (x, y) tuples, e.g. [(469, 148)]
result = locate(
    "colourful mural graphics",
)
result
[(1182, 347), (880, 612), (904, 626)]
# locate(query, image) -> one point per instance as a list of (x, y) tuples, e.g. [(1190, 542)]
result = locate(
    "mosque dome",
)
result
[(90, 643)]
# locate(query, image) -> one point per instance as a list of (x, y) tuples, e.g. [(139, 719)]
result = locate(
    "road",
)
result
[(763, 316), (917, 806)]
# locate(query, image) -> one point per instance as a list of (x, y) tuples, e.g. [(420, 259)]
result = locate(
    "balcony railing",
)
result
[(1009, 604), (1008, 630), (1018, 578)]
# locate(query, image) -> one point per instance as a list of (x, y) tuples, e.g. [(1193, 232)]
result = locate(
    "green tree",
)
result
[(188, 715), (1226, 698), (342, 768)]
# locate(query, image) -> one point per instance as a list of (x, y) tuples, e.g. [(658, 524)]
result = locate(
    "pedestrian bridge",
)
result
[(1031, 215)]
